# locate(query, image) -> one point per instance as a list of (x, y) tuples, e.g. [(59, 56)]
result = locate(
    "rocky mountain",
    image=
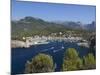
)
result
[(30, 26), (78, 25), (91, 27)]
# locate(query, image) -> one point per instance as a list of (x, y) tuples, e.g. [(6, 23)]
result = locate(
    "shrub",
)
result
[(89, 61), (40, 63), (71, 60)]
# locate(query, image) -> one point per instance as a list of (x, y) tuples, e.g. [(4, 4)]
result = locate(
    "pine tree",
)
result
[(71, 60), (40, 63)]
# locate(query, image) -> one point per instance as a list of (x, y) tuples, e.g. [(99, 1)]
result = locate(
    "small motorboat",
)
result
[(62, 47), (52, 47)]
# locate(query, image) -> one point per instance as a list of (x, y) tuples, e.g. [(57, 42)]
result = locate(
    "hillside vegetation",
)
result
[(30, 26)]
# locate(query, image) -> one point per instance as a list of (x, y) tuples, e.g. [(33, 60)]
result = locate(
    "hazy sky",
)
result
[(53, 12)]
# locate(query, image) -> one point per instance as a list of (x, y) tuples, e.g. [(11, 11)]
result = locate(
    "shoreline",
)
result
[(45, 40)]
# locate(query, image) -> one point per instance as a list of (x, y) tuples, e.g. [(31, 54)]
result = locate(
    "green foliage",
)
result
[(71, 53), (70, 65), (71, 60), (40, 63), (44, 63), (30, 26), (89, 61)]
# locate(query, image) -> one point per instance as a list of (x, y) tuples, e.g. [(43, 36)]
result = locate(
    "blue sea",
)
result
[(55, 48)]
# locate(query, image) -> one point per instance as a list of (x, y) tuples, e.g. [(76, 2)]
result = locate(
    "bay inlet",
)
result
[(54, 48)]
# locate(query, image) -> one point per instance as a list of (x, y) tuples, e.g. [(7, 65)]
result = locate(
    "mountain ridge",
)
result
[(30, 25)]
